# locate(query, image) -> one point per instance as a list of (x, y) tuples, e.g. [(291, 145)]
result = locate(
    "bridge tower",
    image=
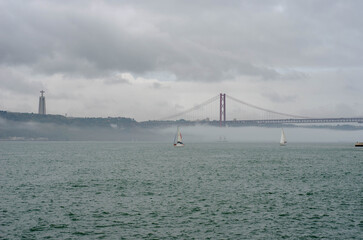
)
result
[(222, 109)]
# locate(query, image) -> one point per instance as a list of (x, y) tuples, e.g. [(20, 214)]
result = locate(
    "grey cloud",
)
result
[(203, 41), (275, 97), (291, 74), (156, 85), (15, 82), (179, 107), (73, 41), (117, 80)]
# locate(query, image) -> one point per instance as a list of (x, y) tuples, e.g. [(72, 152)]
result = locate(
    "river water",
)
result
[(116, 190)]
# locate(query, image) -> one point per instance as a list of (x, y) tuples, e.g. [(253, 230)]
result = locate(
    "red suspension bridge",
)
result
[(214, 112)]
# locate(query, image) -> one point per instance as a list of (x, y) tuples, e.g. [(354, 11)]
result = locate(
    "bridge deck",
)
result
[(302, 120), (252, 122)]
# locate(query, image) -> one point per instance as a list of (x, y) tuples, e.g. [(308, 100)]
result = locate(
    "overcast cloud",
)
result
[(146, 59)]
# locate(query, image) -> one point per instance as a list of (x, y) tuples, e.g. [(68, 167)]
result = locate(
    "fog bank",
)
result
[(13, 130), (264, 134)]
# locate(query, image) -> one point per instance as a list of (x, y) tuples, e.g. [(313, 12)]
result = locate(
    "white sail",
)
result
[(179, 139), (283, 138), (179, 136)]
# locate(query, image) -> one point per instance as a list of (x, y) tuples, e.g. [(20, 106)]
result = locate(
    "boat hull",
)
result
[(359, 144), (178, 145)]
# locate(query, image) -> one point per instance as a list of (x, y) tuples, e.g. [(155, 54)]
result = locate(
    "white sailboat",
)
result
[(283, 138), (178, 139)]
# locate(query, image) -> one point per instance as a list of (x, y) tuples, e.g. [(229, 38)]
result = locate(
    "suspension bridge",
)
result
[(240, 113)]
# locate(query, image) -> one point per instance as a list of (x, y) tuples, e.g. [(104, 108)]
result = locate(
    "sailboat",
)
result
[(178, 139), (283, 138)]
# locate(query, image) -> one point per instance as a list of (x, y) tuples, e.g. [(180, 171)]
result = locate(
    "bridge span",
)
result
[(295, 121), (243, 114), (242, 123)]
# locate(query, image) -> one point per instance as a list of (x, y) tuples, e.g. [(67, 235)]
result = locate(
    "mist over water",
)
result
[(264, 134), (200, 133)]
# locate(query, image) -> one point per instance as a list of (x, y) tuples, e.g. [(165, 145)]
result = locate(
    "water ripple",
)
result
[(109, 190)]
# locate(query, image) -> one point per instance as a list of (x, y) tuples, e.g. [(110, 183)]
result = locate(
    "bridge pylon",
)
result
[(222, 109)]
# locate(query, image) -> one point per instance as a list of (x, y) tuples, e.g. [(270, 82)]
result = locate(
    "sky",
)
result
[(149, 59)]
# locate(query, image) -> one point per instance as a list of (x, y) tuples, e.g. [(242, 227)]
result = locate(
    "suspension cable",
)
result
[(266, 110), (191, 109)]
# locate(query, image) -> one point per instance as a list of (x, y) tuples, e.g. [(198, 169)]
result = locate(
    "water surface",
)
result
[(116, 190)]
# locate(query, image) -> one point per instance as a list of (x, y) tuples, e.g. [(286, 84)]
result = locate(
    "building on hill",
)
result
[(42, 104)]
